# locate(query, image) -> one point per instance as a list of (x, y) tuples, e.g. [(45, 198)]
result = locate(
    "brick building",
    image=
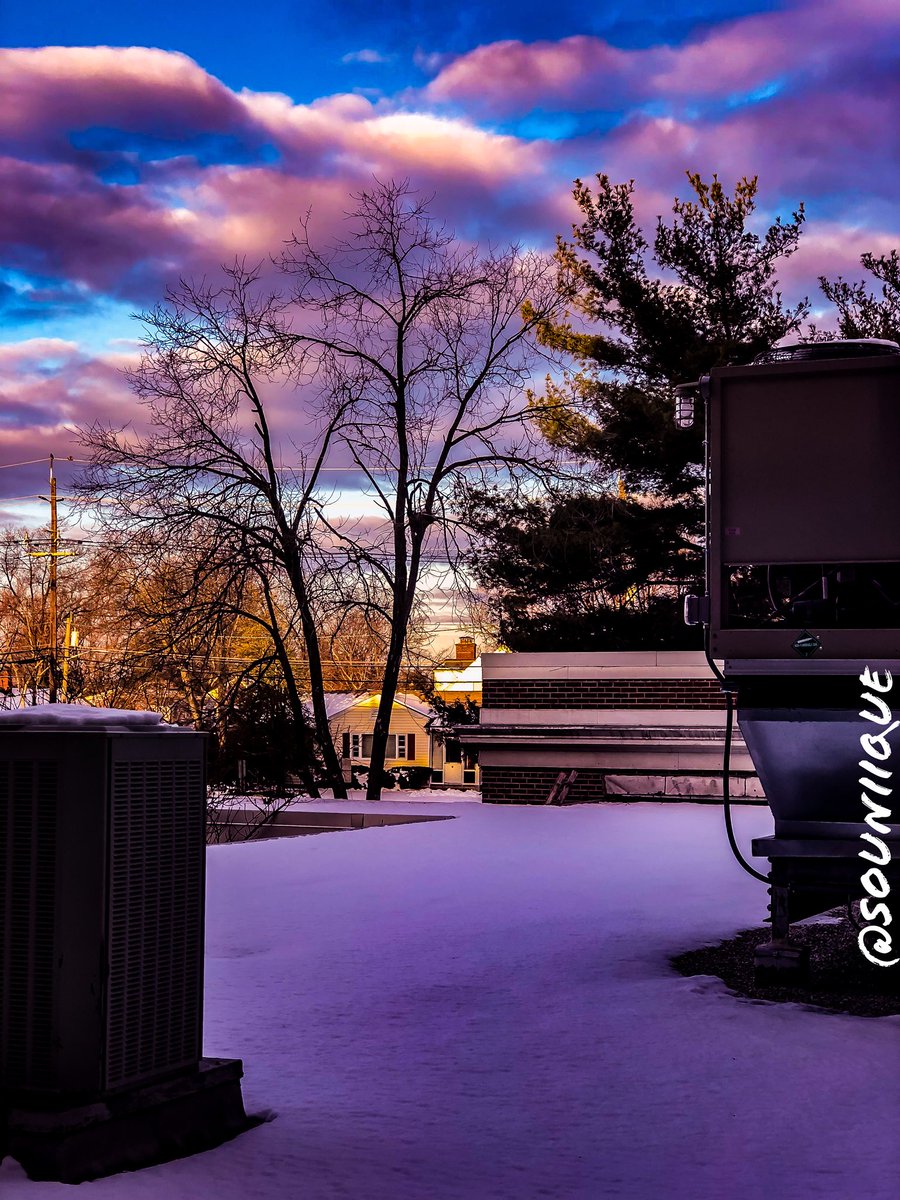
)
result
[(642, 724)]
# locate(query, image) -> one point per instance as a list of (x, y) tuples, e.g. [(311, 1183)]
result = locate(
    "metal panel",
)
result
[(803, 462), (28, 793), (155, 940), (802, 468), (101, 941)]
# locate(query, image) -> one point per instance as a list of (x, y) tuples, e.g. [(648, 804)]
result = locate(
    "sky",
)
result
[(144, 142)]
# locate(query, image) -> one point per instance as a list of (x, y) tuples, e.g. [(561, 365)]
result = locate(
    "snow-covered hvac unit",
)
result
[(102, 852), (803, 592)]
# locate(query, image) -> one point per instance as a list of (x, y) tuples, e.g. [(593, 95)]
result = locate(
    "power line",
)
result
[(32, 461)]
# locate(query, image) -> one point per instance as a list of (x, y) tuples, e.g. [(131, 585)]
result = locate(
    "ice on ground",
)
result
[(483, 1009)]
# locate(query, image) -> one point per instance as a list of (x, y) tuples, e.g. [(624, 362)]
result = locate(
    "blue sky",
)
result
[(207, 129), (299, 46)]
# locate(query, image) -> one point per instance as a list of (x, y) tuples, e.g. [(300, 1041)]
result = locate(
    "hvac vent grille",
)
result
[(28, 799), (155, 932)]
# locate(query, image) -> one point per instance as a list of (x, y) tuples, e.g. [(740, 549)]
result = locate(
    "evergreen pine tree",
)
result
[(861, 314), (601, 566)]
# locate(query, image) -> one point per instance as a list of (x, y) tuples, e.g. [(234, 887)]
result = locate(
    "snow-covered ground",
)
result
[(482, 1008)]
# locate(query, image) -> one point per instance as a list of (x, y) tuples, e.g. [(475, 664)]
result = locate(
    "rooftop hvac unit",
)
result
[(804, 509), (803, 593), (102, 850)]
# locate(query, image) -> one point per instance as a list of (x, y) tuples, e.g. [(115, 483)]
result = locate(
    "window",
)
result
[(359, 745)]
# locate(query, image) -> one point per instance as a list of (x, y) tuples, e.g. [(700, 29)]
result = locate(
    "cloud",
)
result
[(62, 222), (737, 62), (373, 57), (47, 387), (125, 169), (54, 90), (510, 77)]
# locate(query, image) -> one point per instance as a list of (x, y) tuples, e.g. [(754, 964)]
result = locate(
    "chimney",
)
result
[(466, 650)]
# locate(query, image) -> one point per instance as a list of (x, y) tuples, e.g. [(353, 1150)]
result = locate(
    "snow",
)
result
[(482, 1009), (80, 716), (339, 702)]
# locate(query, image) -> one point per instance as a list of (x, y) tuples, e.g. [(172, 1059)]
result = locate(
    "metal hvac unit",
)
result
[(803, 516), (803, 594), (102, 847)]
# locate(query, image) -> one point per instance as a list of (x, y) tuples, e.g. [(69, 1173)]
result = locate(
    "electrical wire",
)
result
[(726, 798)]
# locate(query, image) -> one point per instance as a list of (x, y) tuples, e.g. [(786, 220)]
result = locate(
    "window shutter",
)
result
[(410, 745), (345, 749)]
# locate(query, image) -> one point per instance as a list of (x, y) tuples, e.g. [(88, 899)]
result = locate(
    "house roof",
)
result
[(465, 678), (339, 702)]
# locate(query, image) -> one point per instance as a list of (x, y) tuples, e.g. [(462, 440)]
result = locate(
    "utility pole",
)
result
[(54, 550), (53, 554)]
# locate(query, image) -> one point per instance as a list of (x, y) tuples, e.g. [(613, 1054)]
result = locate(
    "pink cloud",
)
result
[(508, 77), (811, 39), (828, 138), (67, 386), (816, 148), (59, 218), (47, 387), (53, 90)]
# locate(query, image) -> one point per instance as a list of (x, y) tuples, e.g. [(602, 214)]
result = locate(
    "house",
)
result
[(413, 738), (457, 678), (351, 718), (631, 725)]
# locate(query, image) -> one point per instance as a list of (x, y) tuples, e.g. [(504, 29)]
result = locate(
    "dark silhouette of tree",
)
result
[(208, 477), (402, 352), (426, 348), (602, 566), (861, 313)]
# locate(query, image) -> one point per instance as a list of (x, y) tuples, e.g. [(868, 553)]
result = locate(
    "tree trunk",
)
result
[(332, 762), (383, 717), (404, 593)]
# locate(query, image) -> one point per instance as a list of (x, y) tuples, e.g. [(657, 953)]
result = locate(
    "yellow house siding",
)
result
[(361, 719)]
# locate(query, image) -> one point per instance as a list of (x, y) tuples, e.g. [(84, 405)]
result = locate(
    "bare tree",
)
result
[(401, 351), (426, 350), (24, 620), (211, 461)]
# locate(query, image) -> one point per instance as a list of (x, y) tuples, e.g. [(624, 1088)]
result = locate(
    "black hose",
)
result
[(728, 689), (851, 916), (726, 798), (727, 686)]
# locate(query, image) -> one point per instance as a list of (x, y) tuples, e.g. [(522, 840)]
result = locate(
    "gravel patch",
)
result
[(840, 979)]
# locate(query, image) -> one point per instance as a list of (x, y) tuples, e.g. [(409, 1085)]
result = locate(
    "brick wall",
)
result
[(603, 693), (531, 785)]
